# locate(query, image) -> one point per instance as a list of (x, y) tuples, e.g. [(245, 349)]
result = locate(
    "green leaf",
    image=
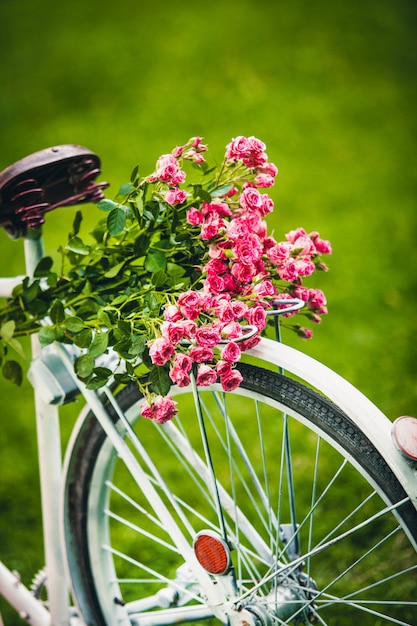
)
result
[(200, 192), (84, 366), (106, 205), (103, 372), (77, 223), (141, 244), (83, 339), (138, 344), (7, 330), (96, 382), (17, 347), (57, 312), (159, 278), (125, 189), (119, 300), (43, 267), (30, 292), (134, 173), (160, 381), (221, 191), (139, 203), (122, 331), (74, 324), (99, 344), (122, 379), (12, 371), (116, 220), (152, 301), (75, 244), (155, 260), (113, 271), (175, 270), (46, 335), (104, 318)]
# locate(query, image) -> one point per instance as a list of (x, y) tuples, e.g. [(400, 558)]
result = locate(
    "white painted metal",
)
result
[(22, 600), (371, 421)]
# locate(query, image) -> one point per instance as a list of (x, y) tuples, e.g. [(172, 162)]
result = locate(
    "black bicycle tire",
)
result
[(311, 405)]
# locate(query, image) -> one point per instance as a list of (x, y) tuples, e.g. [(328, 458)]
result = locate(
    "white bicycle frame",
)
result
[(361, 411)]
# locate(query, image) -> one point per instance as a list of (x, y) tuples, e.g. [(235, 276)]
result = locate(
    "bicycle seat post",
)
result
[(33, 248)]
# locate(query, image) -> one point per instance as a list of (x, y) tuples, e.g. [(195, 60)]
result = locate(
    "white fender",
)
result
[(369, 419)]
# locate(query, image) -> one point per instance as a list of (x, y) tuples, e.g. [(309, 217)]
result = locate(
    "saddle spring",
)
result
[(30, 196)]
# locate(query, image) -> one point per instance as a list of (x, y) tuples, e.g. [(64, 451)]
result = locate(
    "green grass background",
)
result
[(330, 86)]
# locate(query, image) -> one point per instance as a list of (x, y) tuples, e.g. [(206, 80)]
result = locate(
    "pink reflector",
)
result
[(405, 436)]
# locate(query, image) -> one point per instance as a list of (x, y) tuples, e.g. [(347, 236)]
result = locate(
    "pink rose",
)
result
[(238, 148), (264, 180), (223, 367), (256, 316), (279, 252), (207, 336), (248, 250), (161, 351), (231, 380), (214, 283), (232, 330), (231, 352), (267, 168), (267, 205), (288, 271), (179, 377), (172, 313), (265, 289), (173, 332), (218, 266), (238, 227), (161, 410), (220, 209), (206, 376), (201, 355), (211, 227), (317, 301), (175, 196), (251, 200), (183, 362), (195, 217), (247, 344), (189, 327), (239, 309), (322, 245), (243, 272), (304, 333), (230, 284), (225, 312), (189, 303), (305, 267), (293, 235)]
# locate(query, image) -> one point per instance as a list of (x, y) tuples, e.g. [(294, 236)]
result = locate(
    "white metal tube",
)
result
[(50, 470), (19, 597)]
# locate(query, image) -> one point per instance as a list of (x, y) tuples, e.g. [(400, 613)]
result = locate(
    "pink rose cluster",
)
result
[(244, 272)]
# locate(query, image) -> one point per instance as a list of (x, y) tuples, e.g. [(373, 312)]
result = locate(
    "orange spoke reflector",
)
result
[(404, 431), (212, 552)]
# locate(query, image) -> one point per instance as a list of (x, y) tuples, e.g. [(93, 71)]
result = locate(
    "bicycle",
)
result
[(235, 529)]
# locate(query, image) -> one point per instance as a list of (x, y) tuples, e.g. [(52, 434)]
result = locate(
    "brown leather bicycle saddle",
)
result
[(58, 176)]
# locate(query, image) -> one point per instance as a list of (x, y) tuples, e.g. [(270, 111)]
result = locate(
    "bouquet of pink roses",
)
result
[(178, 279), (243, 269)]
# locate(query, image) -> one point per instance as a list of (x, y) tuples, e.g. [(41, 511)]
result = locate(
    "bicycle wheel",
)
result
[(303, 523)]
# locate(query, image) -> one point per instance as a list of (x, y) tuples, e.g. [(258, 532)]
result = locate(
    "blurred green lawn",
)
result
[(329, 86)]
